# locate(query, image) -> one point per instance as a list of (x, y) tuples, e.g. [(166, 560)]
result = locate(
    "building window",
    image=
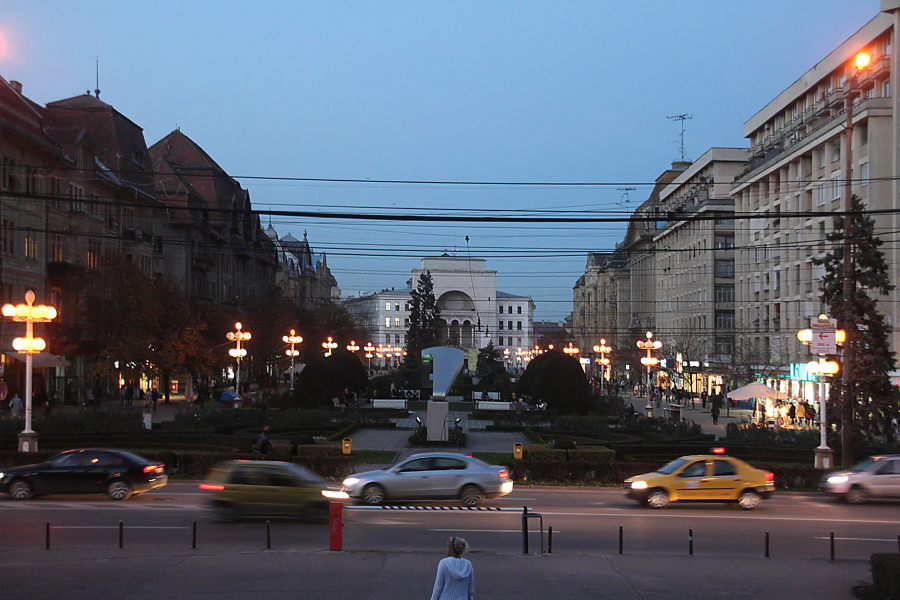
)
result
[(500, 325), (31, 244), (76, 198), (396, 321), (724, 242), (724, 319), (397, 307), (387, 321), (519, 325), (724, 293), (93, 254), (501, 310), (864, 174), (510, 325), (387, 306), (56, 248), (821, 193), (519, 310), (9, 237), (724, 267)]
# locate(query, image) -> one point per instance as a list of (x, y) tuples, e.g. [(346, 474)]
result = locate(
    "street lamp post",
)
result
[(329, 346), (649, 361), (603, 350), (823, 368), (369, 348), (292, 339), (29, 346), (861, 62), (237, 352)]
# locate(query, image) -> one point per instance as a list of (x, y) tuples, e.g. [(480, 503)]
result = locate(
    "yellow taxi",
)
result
[(702, 477)]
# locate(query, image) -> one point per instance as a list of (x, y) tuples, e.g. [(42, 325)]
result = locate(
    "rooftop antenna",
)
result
[(624, 201), (97, 87), (681, 118)]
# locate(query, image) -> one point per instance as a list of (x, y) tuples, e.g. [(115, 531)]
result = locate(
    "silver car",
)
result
[(875, 477), (431, 476)]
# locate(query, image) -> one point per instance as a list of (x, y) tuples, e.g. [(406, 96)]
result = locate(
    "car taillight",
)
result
[(212, 487), (153, 468), (770, 477), (504, 474)]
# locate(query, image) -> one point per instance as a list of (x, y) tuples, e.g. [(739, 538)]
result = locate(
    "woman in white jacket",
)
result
[(455, 576)]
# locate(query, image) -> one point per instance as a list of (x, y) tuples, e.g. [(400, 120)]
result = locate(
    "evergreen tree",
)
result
[(872, 400), (491, 369), (423, 332)]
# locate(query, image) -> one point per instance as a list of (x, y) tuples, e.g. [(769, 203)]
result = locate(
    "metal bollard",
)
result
[(194, 537), (690, 542), (525, 516), (767, 544), (47, 537), (832, 545), (550, 539), (121, 533), (268, 535), (621, 538)]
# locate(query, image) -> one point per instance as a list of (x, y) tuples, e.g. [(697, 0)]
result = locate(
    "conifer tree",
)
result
[(872, 400), (423, 332)]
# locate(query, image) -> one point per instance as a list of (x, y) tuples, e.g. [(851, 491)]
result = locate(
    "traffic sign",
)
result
[(823, 331)]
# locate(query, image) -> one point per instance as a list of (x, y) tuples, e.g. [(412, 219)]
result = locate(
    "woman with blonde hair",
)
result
[(455, 576)]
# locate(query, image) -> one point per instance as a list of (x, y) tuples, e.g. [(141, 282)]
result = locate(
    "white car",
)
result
[(875, 477), (431, 476)]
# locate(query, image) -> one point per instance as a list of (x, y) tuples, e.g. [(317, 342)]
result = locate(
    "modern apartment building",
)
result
[(794, 181)]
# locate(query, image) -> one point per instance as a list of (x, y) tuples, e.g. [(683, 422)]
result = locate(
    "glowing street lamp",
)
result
[(823, 368), (329, 346), (292, 339), (237, 352), (29, 346), (369, 348), (649, 361), (352, 347), (603, 350), (571, 350)]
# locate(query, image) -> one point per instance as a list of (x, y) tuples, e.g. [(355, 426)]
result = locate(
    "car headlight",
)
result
[(351, 481), (837, 479), (639, 485), (335, 495)]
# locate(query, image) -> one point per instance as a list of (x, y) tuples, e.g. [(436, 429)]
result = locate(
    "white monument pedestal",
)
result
[(436, 420)]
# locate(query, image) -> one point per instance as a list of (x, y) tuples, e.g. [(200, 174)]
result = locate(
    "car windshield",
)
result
[(672, 466), (863, 466)]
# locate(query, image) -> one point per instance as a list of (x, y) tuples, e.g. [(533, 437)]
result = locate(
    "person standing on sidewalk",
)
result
[(455, 578)]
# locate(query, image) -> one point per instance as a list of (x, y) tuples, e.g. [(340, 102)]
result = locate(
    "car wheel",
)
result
[(749, 500), (856, 495), (471, 495), (118, 489), (373, 494), (20, 490), (658, 499)]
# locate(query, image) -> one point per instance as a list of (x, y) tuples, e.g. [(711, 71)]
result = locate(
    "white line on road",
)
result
[(485, 530), (114, 527), (693, 515), (858, 539)]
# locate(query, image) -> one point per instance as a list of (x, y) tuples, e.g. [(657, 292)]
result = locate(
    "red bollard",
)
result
[(336, 526)]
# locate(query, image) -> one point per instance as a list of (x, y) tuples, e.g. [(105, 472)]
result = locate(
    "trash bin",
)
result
[(517, 451), (673, 412), (347, 446), (648, 411)]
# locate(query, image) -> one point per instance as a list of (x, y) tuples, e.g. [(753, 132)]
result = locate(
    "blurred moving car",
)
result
[(116, 473), (702, 477), (241, 488), (875, 477), (432, 476)]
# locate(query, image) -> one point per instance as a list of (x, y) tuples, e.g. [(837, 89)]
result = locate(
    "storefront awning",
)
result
[(42, 360)]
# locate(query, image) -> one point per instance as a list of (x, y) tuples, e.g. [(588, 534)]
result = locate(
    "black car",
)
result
[(116, 473)]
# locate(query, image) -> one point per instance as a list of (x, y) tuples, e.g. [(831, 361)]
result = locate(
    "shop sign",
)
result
[(823, 335), (800, 372)]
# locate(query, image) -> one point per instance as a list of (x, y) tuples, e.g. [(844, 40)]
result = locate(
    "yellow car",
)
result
[(702, 477)]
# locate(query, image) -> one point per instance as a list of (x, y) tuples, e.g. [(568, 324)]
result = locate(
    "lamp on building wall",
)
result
[(292, 339), (29, 314), (237, 352), (821, 337), (860, 63), (649, 361)]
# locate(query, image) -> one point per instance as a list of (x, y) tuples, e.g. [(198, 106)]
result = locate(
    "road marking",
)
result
[(484, 530), (858, 539), (115, 527), (684, 515)]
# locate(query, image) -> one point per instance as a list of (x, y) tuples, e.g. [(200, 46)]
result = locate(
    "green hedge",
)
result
[(885, 578)]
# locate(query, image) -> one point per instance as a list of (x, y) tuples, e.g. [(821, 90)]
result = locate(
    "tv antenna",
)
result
[(624, 201), (682, 118)]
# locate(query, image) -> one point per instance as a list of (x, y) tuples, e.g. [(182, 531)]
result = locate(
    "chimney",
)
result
[(16, 86)]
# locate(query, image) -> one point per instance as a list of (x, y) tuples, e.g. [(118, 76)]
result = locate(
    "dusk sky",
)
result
[(493, 92)]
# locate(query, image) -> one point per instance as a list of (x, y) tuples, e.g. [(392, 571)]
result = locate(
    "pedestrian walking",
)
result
[(154, 396), (16, 404), (455, 578), (715, 413)]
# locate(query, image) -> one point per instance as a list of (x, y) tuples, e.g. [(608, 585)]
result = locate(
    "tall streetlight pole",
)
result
[(237, 352), (369, 348), (649, 361), (861, 62), (823, 368), (29, 346), (603, 350), (292, 339)]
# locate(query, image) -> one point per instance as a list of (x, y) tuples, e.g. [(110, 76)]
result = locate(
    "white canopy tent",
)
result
[(756, 390)]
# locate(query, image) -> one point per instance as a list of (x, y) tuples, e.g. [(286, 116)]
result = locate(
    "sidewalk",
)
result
[(697, 414)]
